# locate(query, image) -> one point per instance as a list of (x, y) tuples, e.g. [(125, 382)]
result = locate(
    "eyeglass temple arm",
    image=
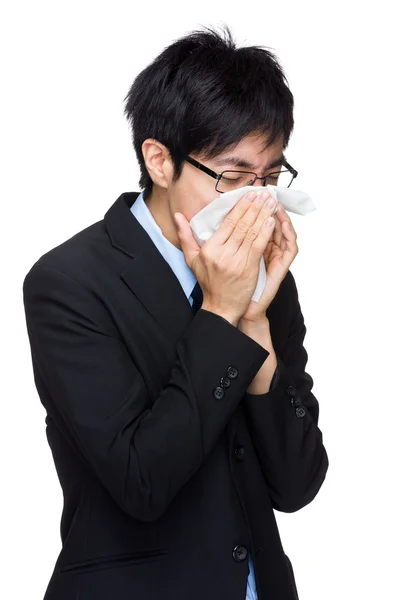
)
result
[(203, 168), (290, 168), (217, 176)]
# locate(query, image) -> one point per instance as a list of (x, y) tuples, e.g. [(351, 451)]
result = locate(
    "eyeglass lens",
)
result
[(231, 180)]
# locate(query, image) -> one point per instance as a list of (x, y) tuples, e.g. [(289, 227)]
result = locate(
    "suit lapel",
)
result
[(148, 275)]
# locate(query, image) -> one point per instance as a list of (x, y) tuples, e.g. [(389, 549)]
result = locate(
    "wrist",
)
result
[(232, 319), (260, 324), (259, 331)]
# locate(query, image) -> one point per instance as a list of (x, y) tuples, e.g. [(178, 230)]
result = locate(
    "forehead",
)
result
[(251, 153)]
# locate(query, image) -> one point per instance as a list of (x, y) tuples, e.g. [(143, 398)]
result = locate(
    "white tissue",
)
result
[(207, 220)]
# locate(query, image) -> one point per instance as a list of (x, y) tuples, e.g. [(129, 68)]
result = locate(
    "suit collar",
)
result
[(148, 275), (173, 255), (124, 231)]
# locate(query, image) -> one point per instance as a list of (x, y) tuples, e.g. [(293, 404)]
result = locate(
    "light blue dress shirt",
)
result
[(187, 279)]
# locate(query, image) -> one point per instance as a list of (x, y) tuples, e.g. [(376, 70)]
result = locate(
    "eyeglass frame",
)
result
[(218, 176)]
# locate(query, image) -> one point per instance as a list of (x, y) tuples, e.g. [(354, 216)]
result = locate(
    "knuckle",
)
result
[(257, 244), (219, 262), (205, 253), (242, 226), (252, 234), (229, 222)]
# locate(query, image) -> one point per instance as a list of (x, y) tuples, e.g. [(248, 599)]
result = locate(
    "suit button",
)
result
[(240, 452), (300, 412), (232, 372), (219, 393), (295, 400), (290, 390), (239, 553), (225, 382)]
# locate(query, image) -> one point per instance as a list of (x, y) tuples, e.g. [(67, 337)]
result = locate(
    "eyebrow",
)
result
[(234, 161)]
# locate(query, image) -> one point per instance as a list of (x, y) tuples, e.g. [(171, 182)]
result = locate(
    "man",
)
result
[(179, 413)]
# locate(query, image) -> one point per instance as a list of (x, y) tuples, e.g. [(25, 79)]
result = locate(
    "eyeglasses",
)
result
[(230, 180)]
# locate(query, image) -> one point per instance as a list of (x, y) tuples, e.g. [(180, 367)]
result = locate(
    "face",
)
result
[(195, 189)]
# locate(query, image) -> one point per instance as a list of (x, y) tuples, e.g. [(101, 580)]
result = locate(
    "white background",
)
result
[(66, 156)]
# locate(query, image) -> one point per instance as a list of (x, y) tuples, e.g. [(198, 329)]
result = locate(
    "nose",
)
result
[(259, 182)]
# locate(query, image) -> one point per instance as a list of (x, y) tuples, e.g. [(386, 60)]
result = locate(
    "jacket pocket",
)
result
[(291, 575), (115, 560)]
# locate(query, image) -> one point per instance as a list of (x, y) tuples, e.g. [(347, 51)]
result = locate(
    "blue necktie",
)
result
[(197, 296)]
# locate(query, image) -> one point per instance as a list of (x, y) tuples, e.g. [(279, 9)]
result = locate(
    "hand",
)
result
[(227, 264), (279, 254)]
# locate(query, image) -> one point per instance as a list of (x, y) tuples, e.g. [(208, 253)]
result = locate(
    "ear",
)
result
[(158, 162)]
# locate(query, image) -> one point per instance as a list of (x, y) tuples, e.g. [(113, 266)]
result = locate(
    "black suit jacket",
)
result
[(168, 482)]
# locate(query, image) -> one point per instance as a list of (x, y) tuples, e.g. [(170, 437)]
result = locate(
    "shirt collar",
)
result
[(173, 255)]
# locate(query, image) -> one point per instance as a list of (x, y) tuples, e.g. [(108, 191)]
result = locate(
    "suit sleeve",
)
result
[(284, 425), (143, 451)]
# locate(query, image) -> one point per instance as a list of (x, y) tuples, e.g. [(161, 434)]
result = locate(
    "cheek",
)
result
[(193, 201)]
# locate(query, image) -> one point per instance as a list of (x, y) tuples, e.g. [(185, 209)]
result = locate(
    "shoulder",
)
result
[(75, 256)]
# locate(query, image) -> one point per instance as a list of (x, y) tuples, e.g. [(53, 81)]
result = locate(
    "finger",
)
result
[(224, 231), (282, 215), (257, 247), (249, 225), (268, 251), (189, 245), (278, 235), (291, 248)]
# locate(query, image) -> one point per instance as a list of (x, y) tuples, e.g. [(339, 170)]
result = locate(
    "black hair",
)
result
[(202, 94)]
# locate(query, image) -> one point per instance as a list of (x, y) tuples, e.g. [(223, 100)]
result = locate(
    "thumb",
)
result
[(189, 245)]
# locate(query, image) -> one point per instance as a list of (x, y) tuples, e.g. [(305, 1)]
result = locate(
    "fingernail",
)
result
[(271, 203), (269, 222), (250, 196)]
